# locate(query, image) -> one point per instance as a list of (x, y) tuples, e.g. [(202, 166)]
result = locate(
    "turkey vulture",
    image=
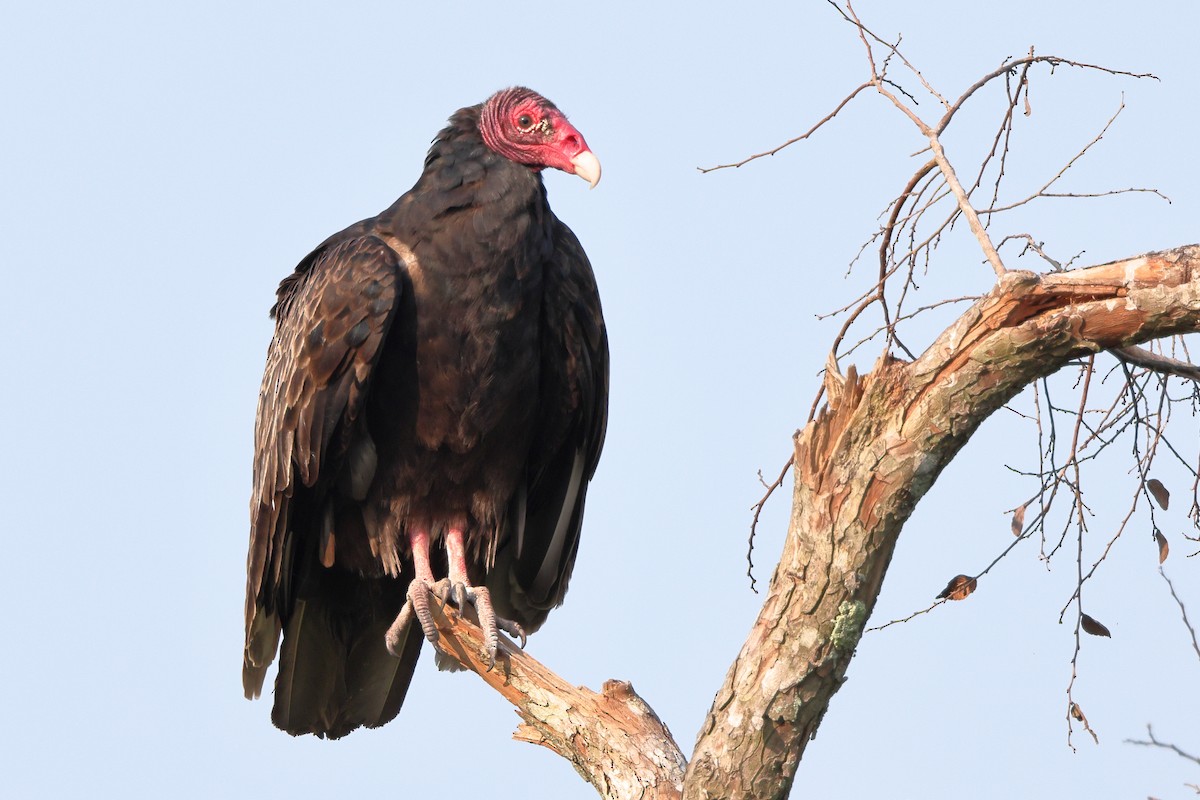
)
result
[(433, 407)]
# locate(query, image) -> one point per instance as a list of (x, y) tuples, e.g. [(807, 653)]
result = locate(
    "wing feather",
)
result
[(331, 320), (531, 575)]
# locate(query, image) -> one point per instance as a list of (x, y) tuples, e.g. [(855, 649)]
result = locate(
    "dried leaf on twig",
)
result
[(1093, 627), (1018, 521), (1077, 714), (958, 588), (1160, 492), (1163, 547)]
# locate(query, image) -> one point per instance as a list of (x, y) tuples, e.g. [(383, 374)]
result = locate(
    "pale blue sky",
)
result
[(162, 166)]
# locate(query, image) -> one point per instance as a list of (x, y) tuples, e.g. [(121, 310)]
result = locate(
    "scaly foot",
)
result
[(456, 589)]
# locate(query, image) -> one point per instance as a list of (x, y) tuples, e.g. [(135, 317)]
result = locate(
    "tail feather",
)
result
[(378, 681), (311, 672), (335, 674)]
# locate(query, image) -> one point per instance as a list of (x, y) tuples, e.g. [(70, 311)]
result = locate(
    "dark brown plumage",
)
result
[(439, 373)]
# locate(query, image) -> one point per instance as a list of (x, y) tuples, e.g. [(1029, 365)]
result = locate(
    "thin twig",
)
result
[(793, 140), (1154, 742), (758, 507), (909, 617), (1182, 611)]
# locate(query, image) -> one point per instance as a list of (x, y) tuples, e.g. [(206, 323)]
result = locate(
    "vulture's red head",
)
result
[(524, 127)]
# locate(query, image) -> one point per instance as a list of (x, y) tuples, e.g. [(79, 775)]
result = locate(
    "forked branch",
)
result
[(860, 468), (862, 465)]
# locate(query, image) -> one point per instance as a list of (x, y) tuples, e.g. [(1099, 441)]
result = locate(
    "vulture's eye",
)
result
[(525, 123)]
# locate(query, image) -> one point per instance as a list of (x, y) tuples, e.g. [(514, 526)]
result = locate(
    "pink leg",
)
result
[(418, 542), (462, 592)]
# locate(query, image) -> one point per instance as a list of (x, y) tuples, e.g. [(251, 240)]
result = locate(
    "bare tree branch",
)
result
[(935, 143), (1141, 357), (613, 739)]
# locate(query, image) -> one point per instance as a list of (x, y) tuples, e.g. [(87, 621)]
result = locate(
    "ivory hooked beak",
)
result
[(587, 166)]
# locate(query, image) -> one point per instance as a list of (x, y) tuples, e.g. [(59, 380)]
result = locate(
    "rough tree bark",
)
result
[(614, 739), (860, 467)]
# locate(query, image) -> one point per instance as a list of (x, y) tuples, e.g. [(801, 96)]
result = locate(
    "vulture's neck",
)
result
[(472, 209), (463, 174)]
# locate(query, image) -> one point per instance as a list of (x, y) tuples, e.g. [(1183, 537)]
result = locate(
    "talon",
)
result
[(460, 596), (442, 590), (482, 600), (513, 629)]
